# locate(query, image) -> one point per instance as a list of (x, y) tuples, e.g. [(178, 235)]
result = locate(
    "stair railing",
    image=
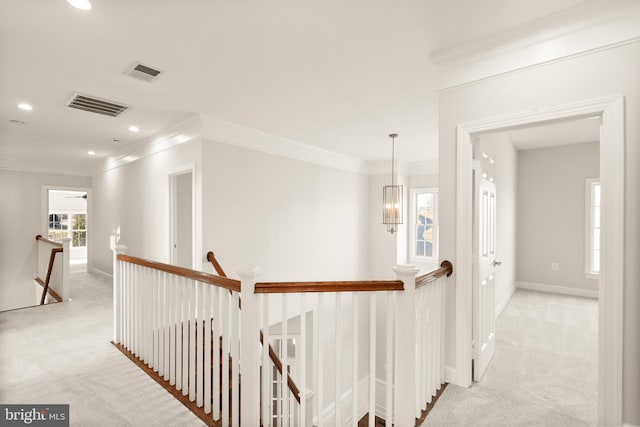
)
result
[(183, 328), (55, 284)]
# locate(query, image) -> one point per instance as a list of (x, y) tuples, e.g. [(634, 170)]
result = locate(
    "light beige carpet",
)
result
[(544, 371), (62, 353)]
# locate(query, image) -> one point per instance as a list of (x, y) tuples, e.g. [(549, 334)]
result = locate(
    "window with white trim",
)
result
[(424, 223), (592, 227)]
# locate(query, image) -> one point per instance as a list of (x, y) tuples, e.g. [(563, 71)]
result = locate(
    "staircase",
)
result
[(158, 323)]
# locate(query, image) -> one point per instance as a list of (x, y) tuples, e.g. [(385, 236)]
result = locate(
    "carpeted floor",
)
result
[(544, 371), (62, 353)]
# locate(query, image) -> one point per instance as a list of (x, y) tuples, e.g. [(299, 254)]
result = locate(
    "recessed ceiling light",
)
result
[(91, 153), (25, 107), (134, 128), (80, 4)]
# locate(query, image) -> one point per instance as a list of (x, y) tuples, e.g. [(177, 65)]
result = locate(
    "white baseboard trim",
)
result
[(95, 271), (504, 301), (554, 289), (450, 374)]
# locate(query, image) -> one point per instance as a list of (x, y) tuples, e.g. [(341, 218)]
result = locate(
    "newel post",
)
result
[(66, 248), (118, 286), (405, 389), (249, 349)]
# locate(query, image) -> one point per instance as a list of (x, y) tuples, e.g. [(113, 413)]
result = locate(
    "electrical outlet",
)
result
[(555, 266)]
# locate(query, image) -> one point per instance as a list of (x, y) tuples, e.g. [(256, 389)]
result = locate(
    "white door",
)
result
[(182, 219), (484, 327)]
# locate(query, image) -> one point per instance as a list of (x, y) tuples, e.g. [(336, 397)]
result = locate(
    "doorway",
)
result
[(181, 219), (67, 217), (611, 111)]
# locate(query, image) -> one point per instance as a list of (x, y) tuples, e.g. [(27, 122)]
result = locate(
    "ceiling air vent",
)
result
[(143, 72), (96, 105)]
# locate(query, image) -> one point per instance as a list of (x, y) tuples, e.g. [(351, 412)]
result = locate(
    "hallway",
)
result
[(544, 371), (62, 353)]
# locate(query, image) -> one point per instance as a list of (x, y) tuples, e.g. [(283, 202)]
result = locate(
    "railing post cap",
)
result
[(249, 273), (118, 248), (406, 269)]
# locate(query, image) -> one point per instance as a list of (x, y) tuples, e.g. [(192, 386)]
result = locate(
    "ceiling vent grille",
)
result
[(97, 105), (143, 72)]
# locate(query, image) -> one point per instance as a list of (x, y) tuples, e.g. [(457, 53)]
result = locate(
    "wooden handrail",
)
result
[(337, 286), (272, 354), (223, 282), (216, 265), (51, 242), (45, 286), (445, 268)]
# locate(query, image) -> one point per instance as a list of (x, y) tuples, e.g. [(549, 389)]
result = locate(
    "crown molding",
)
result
[(225, 132), (510, 51), (14, 163)]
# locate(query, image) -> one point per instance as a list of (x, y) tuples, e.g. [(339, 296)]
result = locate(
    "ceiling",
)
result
[(336, 75), (562, 133)]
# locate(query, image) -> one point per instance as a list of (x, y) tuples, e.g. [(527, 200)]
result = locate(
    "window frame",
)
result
[(589, 226), (413, 192)]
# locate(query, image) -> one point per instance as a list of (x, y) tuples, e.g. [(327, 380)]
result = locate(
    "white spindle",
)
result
[(172, 329), (285, 362), (248, 356), (319, 356), (266, 365), (372, 359), (235, 359), (389, 345), (336, 356), (179, 322), (207, 316), (355, 383), (166, 305), (199, 345), (217, 328), (159, 286), (192, 341), (226, 332), (185, 336), (302, 354)]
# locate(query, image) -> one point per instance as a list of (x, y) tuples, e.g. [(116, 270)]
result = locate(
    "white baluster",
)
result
[(285, 362), (166, 309), (301, 353), (235, 359), (226, 332), (208, 318), (319, 356), (390, 345), (179, 322), (372, 359), (266, 365), (336, 356), (405, 410), (355, 404), (192, 340), (172, 328), (217, 328), (118, 286), (250, 337), (199, 345)]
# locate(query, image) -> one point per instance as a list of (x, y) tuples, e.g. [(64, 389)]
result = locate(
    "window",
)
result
[(592, 227), (424, 224), (59, 228)]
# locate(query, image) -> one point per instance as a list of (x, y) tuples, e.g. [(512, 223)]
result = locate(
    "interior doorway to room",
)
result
[(181, 219), (610, 110), (541, 231), (67, 217)]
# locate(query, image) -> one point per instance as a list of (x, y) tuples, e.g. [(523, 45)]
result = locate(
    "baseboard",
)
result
[(504, 301), (554, 289), (97, 272), (450, 375)]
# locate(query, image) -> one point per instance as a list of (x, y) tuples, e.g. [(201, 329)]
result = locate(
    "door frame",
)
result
[(173, 176), (611, 284), (44, 204)]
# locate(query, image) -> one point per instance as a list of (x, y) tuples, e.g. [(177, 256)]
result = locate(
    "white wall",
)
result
[(551, 214), (296, 220), (499, 147), (134, 200), (599, 74), (21, 213)]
